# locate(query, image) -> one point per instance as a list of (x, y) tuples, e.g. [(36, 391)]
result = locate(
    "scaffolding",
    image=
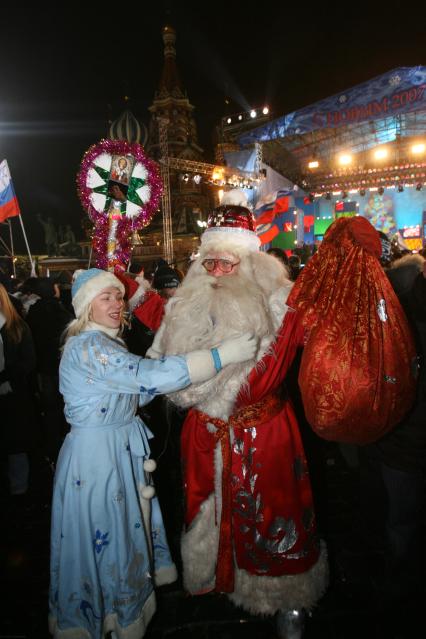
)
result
[(165, 198), (225, 177)]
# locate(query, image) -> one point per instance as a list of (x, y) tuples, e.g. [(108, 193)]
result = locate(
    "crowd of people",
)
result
[(171, 412)]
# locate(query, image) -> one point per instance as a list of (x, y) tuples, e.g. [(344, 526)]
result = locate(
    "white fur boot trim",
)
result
[(267, 595), (165, 575), (199, 546)]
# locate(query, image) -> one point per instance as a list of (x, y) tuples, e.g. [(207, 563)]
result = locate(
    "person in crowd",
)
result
[(108, 545), (250, 529), (166, 280), (392, 472), (294, 266), (47, 319), (146, 302), (26, 295), (279, 253), (18, 418)]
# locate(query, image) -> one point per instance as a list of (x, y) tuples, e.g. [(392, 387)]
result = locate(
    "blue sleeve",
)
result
[(103, 362)]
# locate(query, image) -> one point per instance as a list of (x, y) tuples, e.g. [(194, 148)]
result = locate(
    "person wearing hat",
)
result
[(165, 280), (146, 310), (146, 304), (250, 528), (108, 545)]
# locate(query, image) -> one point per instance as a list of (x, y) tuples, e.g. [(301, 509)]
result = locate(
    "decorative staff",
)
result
[(120, 188)]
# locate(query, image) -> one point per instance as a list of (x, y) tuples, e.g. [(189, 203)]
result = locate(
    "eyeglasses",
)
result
[(224, 265)]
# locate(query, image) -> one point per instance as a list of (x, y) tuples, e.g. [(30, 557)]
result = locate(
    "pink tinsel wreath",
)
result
[(127, 224)]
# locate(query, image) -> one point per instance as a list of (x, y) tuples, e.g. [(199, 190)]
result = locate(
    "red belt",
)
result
[(243, 419)]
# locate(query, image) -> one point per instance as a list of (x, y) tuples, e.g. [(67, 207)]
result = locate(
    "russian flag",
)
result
[(9, 206), (265, 229), (265, 213), (282, 201), (271, 213)]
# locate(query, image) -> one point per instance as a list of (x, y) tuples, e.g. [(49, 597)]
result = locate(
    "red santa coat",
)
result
[(267, 521)]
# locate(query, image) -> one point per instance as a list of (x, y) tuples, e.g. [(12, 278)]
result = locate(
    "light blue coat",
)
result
[(108, 543)]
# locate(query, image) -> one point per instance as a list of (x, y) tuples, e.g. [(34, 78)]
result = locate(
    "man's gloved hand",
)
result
[(238, 349)]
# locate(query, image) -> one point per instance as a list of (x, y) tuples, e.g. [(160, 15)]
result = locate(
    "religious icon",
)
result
[(121, 168)]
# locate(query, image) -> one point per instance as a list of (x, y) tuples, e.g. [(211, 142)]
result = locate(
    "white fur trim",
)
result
[(135, 630), (95, 285), (262, 595), (217, 395), (235, 197), (165, 575), (239, 237), (137, 297), (200, 366), (257, 594), (199, 547), (151, 353)]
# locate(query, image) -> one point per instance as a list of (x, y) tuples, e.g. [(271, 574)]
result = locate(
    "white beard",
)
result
[(206, 310)]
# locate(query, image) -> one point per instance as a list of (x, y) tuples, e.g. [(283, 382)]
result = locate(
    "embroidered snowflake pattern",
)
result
[(155, 534), (148, 391), (394, 80), (342, 99), (100, 541), (102, 358)]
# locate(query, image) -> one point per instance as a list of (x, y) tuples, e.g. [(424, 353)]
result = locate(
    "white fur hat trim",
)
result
[(240, 237), (92, 287)]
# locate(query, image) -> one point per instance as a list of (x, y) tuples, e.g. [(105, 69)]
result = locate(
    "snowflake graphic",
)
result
[(100, 541), (148, 391), (342, 99), (78, 483), (103, 359), (394, 80)]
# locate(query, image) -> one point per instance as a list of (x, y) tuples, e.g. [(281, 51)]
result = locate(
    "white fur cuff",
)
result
[(200, 366)]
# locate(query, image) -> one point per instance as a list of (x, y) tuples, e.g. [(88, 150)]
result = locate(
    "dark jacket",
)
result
[(47, 319), (17, 409)]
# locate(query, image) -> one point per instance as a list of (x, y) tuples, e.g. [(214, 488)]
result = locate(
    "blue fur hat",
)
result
[(88, 284)]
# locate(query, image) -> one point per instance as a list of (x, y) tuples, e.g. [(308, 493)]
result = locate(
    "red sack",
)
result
[(357, 374)]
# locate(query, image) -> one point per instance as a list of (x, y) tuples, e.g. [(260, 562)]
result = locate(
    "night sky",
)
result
[(64, 75)]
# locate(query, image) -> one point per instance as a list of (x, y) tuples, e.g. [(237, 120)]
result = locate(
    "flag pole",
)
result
[(33, 273), (12, 249), (5, 246)]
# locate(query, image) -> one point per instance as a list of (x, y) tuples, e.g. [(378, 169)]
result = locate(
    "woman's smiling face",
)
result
[(107, 307)]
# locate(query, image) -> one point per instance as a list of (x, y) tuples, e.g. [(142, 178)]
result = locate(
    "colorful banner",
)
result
[(272, 214), (399, 91)]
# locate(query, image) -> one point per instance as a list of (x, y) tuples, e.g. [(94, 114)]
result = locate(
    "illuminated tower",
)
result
[(189, 198)]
